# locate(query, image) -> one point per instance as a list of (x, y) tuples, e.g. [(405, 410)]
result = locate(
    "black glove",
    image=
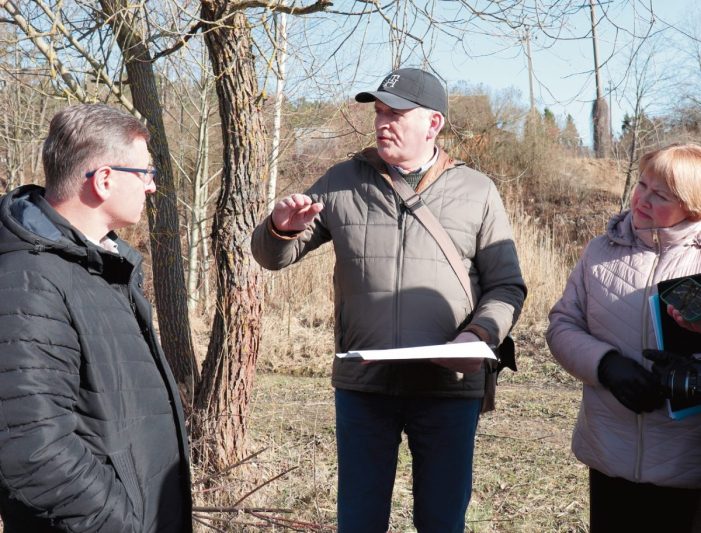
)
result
[(636, 388), (677, 373)]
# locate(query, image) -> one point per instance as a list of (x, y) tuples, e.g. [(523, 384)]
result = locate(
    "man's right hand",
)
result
[(295, 212), (466, 365)]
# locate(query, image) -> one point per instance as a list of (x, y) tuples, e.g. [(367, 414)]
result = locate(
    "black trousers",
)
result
[(619, 506)]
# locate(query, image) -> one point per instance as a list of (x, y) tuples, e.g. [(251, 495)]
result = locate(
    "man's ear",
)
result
[(435, 126), (102, 183)]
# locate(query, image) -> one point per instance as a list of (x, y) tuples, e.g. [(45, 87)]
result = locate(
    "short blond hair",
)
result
[(679, 165)]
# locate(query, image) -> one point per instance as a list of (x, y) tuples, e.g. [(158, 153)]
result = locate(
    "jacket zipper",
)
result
[(130, 296), (401, 227), (644, 329)]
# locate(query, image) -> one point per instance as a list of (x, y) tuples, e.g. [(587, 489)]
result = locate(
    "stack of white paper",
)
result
[(439, 351)]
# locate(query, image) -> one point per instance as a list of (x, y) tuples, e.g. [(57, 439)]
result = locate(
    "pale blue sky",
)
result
[(564, 80), (563, 69)]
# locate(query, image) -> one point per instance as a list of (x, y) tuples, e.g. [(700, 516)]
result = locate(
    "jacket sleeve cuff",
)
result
[(481, 332), (282, 235)]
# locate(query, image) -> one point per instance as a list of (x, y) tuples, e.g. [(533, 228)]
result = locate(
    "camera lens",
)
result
[(683, 384), (693, 388)]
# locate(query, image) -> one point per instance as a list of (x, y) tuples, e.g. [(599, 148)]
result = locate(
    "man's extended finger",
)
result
[(308, 212)]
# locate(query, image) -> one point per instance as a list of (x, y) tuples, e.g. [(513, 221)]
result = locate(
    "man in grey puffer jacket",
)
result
[(394, 288), (92, 433)]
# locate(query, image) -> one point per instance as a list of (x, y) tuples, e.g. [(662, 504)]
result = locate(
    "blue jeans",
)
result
[(441, 436)]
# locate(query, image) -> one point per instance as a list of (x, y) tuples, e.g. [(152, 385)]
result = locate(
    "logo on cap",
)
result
[(390, 81)]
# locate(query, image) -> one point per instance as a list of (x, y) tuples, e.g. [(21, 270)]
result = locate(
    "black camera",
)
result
[(678, 374), (681, 383)]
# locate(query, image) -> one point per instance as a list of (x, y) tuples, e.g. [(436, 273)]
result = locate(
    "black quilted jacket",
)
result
[(92, 435)]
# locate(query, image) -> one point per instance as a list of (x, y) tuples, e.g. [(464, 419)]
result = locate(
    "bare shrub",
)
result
[(544, 267), (298, 321)]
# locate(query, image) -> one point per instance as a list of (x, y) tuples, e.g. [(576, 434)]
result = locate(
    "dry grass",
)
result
[(525, 479), (297, 337), (544, 267)]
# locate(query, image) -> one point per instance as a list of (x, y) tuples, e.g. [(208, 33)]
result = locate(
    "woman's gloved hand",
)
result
[(632, 385)]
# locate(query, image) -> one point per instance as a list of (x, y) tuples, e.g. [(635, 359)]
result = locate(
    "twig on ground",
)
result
[(257, 488), (228, 468), (206, 524)]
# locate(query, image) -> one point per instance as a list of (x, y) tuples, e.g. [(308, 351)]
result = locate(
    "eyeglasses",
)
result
[(147, 175)]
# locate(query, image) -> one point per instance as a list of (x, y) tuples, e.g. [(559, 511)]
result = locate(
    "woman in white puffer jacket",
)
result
[(645, 468)]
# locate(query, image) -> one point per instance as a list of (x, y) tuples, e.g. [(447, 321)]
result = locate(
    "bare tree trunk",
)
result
[(192, 249), (224, 395), (199, 199), (168, 275), (9, 156), (601, 128), (36, 156), (205, 293), (599, 113), (632, 157), (281, 56), (529, 58)]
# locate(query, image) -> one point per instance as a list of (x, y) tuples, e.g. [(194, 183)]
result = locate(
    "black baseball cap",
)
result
[(407, 88)]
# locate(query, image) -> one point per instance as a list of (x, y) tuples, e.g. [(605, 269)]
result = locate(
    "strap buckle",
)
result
[(414, 203)]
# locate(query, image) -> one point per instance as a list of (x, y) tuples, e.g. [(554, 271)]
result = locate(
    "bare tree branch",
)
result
[(182, 42), (319, 5), (98, 68), (45, 48)]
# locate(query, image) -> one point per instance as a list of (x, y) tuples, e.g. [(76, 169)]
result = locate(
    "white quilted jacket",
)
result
[(605, 307)]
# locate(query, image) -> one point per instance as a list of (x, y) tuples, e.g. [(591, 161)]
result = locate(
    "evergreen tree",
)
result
[(569, 137)]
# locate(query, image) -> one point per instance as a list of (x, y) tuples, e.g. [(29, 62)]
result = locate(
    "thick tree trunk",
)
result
[(223, 398), (168, 274), (601, 128)]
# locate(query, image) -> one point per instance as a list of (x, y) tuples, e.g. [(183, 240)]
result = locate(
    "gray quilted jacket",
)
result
[(393, 287), (605, 307)]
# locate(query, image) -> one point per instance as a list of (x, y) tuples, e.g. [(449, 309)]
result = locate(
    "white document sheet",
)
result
[(447, 351)]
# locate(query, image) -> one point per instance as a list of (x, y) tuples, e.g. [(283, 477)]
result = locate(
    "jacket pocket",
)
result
[(123, 463)]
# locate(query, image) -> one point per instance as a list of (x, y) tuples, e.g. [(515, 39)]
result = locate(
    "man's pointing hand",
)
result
[(295, 212)]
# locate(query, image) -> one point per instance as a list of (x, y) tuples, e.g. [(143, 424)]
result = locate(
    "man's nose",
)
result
[(150, 188)]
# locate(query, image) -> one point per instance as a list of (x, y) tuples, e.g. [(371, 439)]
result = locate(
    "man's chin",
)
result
[(387, 155)]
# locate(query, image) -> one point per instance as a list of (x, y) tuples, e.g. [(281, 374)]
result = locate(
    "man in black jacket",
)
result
[(92, 435)]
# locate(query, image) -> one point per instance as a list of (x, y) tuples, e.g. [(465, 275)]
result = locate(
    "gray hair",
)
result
[(82, 136)]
